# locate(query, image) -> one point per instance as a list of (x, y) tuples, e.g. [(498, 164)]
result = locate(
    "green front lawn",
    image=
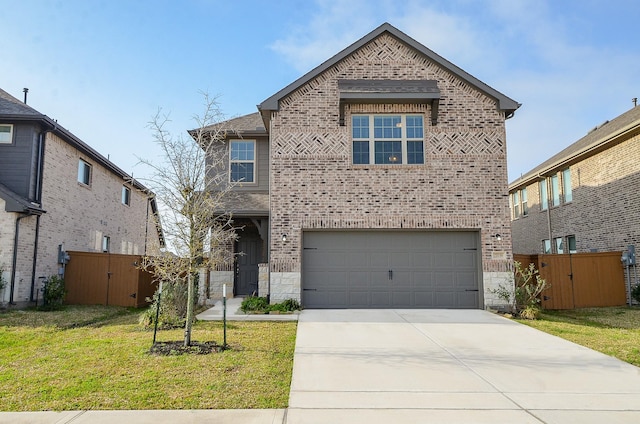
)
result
[(614, 331), (95, 357)]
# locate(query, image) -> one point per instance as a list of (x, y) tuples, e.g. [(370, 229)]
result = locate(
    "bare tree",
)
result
[(192, 189)]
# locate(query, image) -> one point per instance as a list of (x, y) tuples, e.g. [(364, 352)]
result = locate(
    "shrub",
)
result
[(173, 306), (260, 305), (524, 297), (53, 293), (254, 304)]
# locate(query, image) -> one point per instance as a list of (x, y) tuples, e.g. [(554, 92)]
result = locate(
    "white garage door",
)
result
[(390, 269)]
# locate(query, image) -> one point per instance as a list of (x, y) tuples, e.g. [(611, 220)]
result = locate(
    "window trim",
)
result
[(545, 250), (89, 167), (372, 140), (125, 196), (254, 162), (558, 245), (10, 134), (519, 207)]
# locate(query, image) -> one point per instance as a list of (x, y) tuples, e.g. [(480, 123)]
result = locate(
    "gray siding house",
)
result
[(57, 192), (376, 180)]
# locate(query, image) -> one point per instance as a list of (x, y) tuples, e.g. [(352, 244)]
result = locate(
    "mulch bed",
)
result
[(178, 348)]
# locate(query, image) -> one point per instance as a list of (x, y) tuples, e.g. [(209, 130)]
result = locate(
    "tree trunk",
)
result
[(190, 302)]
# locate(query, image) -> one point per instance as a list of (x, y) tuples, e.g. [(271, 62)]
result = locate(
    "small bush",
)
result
[(291, 305), (260, 305), (254, 304), (53, 293)]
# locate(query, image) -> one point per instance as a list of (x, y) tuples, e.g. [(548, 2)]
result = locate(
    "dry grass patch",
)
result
[(98, 358), (614, 331)]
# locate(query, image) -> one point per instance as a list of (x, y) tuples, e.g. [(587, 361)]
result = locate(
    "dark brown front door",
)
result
[(249, 250)]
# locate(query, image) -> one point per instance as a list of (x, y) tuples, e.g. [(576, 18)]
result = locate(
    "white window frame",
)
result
[(84, 165), (10, 137), (546, 247), (239, 161), (403, 139), (519, 206), (126, 195)]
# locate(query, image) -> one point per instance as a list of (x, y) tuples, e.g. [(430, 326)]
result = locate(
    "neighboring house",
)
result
[(376, 180), (585, 198), (56, 192)]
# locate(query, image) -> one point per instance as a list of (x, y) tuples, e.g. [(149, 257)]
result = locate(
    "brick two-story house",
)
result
[(58, 192), (584, 198), (376, 180)]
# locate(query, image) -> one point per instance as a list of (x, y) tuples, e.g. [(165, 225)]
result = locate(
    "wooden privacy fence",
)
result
[(107, 279), (580, 280)]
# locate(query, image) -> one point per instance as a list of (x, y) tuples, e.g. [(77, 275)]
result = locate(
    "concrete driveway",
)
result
[(450, 366)]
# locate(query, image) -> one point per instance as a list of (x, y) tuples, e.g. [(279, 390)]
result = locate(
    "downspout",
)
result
[(14, 260), (39, 200), (146, 227), (35, 258)]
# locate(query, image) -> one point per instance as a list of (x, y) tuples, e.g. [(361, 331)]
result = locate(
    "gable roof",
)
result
[(598, 139), (12, 109), (272, 103)]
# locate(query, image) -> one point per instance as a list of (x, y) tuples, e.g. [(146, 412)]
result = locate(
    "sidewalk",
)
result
[(217, 416), (235, 314)]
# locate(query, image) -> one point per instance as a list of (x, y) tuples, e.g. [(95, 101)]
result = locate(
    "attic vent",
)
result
[(598, 126)]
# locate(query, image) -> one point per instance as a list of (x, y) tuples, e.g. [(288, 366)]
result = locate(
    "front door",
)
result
[(249, 249)]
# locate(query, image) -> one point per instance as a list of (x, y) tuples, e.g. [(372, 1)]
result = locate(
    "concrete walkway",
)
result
[(436, 366), (446, 366), (235, 314)]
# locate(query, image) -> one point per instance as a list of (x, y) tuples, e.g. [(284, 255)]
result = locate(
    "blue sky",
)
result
[(103, 68)]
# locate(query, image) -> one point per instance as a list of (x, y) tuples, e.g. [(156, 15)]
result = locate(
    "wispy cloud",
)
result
[(525, 49)]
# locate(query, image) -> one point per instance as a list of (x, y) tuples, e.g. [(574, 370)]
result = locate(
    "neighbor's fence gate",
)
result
[(580, 280), (107, 279)]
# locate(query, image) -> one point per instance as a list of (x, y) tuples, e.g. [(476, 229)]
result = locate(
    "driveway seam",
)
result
[(461, 361)]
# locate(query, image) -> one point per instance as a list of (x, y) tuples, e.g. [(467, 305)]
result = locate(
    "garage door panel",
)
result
[(381, 299), (359, 299), (429, 269)]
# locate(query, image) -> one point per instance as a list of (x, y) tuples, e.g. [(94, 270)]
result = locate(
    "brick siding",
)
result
[(603, 213), (462, 185)]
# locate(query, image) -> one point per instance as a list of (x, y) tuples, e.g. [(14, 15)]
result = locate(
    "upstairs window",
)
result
[(387, 139), (84, 172), (555, 191), (566, 186), (242, 161), (544, 195), (126, 196), (6, 134)]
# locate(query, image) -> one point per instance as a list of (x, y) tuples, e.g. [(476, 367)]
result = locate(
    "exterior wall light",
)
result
[(284, 237), (498, 237)]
